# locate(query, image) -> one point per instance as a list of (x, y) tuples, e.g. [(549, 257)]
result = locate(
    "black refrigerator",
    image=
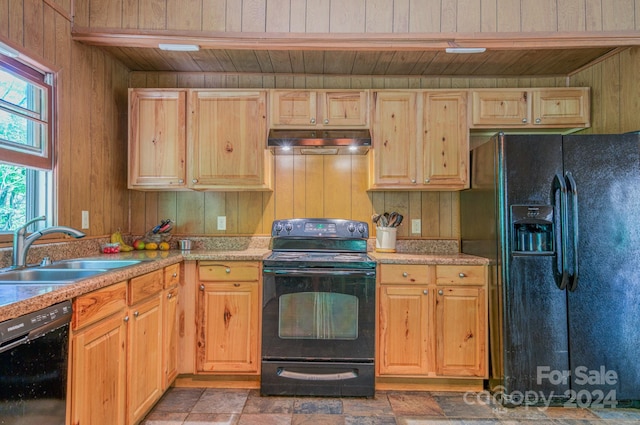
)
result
[(560, 218)]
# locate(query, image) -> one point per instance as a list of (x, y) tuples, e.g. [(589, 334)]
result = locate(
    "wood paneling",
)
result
[(306, 186), (95, 134), (615, 92), (90, 116), (375, 16)]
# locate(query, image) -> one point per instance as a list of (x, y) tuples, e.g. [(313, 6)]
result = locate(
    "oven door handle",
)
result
[(320, 272)]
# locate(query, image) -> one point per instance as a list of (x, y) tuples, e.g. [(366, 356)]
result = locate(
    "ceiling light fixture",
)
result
[(8, 51), (465, 50), (179, 47)]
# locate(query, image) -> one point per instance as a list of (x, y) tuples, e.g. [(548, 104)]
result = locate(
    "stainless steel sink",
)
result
[(64, 272), (93, 264), (44, 275)]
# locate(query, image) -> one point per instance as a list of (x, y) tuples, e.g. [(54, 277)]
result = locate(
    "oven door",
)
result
[(318, 315)]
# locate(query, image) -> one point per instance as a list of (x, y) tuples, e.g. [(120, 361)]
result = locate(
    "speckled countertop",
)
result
[(407, 258), (18, 300)]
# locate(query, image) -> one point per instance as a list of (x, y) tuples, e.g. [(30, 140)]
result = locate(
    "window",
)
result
[(26, 160)]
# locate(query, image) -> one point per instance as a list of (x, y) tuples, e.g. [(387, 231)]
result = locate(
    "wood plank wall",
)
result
[(615, 93), (306, 186), (371, 16), (91, 171), (92, 96)]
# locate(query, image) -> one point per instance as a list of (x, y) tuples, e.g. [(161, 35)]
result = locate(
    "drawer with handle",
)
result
[(460, 274)]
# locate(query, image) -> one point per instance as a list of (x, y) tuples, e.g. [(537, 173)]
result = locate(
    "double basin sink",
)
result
[(64, 272)]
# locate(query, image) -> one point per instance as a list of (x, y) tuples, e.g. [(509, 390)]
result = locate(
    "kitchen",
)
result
[(96, 133)]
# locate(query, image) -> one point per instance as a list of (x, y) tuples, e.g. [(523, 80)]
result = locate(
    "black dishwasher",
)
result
[(33, 367)]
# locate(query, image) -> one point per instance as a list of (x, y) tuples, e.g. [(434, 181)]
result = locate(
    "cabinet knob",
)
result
[(136, 313), (126, 318), (326, 121), (405, 274), (227, 270), (524, 120), (440, 292), (413, 181), (462, 275), (427, 180), (538, 120), (169, 295), (312, 120), (425, 291), (202, 287), (194, 181), (175, 275), (237, 285), (180, 181)]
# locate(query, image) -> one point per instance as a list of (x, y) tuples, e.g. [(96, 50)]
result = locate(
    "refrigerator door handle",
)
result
[(560, 186), (572, 187)]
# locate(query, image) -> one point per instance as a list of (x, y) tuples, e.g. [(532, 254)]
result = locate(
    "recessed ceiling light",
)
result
[(179, 47), (465, 49), (8, 51)]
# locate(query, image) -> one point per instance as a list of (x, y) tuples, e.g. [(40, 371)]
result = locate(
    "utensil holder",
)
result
[(386, 239)]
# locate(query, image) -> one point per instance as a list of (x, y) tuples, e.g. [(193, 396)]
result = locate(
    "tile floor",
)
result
[(199, 406)]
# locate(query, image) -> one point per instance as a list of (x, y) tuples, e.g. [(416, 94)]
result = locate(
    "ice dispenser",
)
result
[(532, 228)]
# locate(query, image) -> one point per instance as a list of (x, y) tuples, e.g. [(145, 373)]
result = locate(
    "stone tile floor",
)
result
[(199, 406)]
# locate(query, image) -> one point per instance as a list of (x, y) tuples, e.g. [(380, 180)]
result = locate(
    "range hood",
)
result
[(319, 142)]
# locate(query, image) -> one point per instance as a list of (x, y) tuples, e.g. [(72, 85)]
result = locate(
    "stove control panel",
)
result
[(320, 228)]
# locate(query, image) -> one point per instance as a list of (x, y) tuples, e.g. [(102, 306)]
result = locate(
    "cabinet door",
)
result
[(568, 107), (461, 333), (500, 108), (157, 139), (446, 140), (98, 373), (345, 109), (170, 336), (394, 139), (144, 360), (228, 327), (293, 108), (228, 132), (403, 330)]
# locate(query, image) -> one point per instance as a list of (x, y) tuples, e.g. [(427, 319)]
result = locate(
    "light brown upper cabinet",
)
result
[(157, 139), (420, 140), (530, 108), (221, 141), (445, 140), (227, 136), (319, 108)]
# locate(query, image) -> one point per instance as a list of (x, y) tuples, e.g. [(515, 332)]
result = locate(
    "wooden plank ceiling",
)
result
[(492, 63)]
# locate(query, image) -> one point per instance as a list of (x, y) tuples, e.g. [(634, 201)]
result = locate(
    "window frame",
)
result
[(40, 164), (45, 80)]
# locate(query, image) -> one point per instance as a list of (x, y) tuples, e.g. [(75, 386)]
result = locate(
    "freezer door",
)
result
[(536, 330), (604, 308)]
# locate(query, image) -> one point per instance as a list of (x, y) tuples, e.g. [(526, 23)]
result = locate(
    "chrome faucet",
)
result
[(21, 243)]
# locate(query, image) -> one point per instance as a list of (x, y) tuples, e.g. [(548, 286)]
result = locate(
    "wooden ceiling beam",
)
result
[(355, 41)]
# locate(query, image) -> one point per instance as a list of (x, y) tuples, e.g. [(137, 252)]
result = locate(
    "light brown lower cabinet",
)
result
[(144, 358), (97, 379), (170, 324), (228, 318), (123, 347), (432, 321)]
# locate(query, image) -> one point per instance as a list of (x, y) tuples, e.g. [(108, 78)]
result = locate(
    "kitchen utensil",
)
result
[(392, 219), (375, 218), (398, 221)]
